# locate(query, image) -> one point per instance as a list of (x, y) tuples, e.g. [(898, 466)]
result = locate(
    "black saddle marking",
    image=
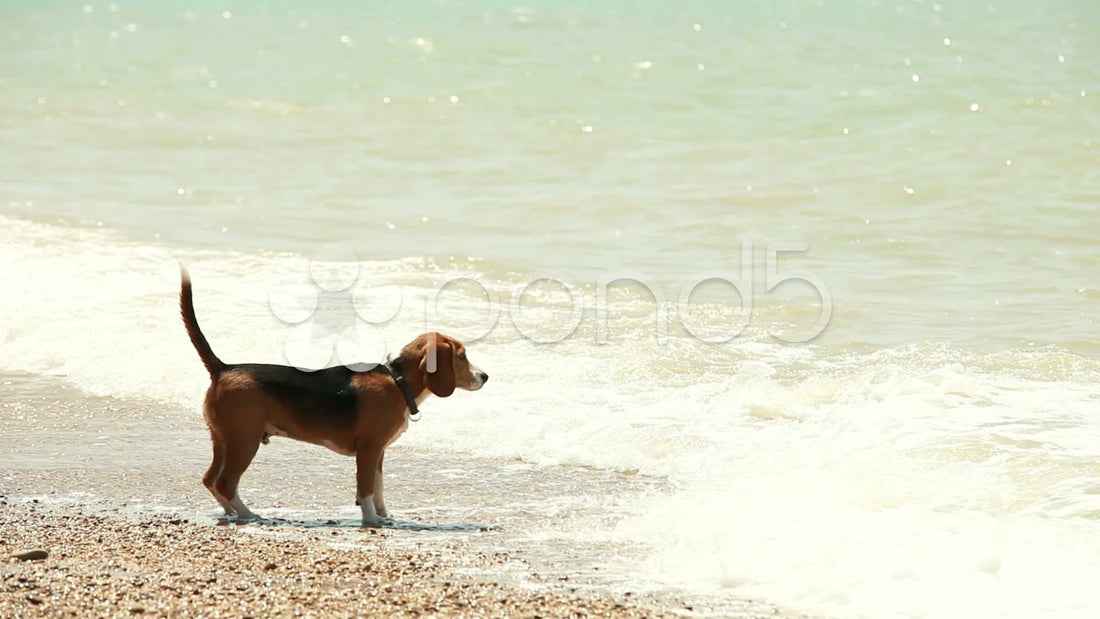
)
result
[(325, 397)]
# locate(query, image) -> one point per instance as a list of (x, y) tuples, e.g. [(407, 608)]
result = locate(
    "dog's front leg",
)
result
[(379, 501), (367, 460)]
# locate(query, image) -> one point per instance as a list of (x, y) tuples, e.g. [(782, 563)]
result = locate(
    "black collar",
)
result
[(394, 367)]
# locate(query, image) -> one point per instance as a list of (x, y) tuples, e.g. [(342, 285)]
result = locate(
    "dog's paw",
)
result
[(376, 523)]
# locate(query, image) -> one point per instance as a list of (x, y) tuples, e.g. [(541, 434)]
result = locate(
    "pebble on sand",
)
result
[(31, 555)]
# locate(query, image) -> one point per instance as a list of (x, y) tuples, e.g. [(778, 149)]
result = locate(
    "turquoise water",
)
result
[(587, 138), (933, 452)]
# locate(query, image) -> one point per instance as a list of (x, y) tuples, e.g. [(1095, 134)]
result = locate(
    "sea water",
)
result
[(603, 200)]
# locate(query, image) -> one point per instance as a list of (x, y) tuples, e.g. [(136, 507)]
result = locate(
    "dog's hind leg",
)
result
[(215, 471), (238, 455)]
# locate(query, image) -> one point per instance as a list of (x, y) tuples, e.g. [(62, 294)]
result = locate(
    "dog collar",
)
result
[(394, 368)]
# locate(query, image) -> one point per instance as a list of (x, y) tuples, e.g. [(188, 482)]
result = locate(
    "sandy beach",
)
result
[(99, 566)]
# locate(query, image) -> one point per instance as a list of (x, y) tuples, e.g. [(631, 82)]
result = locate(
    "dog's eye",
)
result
[(462, 357)]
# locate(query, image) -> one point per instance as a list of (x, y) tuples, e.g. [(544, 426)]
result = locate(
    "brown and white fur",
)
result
[(352, 413)]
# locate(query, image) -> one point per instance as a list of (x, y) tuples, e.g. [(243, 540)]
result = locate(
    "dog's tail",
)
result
[(213, 364)]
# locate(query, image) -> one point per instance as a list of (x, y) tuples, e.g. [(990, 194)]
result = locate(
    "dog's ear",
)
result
[(441, 382)]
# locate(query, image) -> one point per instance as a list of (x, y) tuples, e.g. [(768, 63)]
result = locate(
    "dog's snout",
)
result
[(483, 376)]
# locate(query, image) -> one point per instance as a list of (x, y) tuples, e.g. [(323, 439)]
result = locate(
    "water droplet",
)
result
[(213, 83), (1061, 58), (974, 107), (700, 66), (181, 191), (131, 27), (346, 40), (454, 98), (916, 78), (88, 8), (644, 65), (587, 129), (947, 41), (385, 99), (846, 131), (390, 225), (698, 27), (909, 190), (227, 14)]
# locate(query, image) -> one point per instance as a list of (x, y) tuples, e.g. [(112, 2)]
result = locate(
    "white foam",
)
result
[(103, 312), (871, 487)]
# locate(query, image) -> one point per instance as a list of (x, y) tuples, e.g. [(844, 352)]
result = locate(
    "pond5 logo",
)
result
[(340, 316)]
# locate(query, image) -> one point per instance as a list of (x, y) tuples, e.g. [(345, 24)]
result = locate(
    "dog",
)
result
[(352, 413)]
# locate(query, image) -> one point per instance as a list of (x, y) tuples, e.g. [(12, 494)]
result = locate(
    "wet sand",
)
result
[(130, 459)]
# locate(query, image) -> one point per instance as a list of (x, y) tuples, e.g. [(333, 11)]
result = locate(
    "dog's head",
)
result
[(444, 366)]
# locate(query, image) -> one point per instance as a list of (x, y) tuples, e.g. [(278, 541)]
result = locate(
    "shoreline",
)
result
[(79, 467), (163, 565)]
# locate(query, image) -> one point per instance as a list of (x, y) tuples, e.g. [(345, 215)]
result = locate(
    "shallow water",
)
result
[(933, 452)]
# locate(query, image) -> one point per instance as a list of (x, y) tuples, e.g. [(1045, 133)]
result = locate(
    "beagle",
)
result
[(352, 413)]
